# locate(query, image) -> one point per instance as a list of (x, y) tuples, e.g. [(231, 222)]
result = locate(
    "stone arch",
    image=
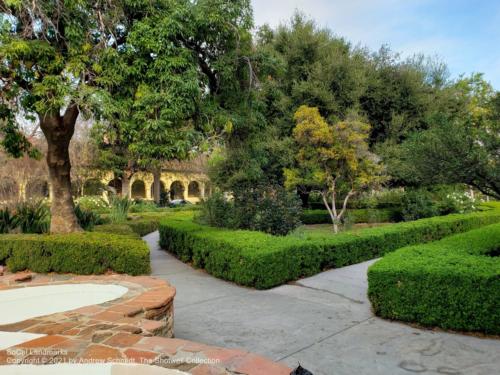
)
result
[(138, 189), (37, 189), (115, 185), (9, 190), (194, 190), (177, 190), (162, 188)]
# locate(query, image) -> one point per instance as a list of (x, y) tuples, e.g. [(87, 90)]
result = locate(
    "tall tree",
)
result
[(59, 59), (188, 80), (332, 159), (461, 146)]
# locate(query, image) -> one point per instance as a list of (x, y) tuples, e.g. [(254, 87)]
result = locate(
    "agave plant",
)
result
[(32, 217), (6, 220)]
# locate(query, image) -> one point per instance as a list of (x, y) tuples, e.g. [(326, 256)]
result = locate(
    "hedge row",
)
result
[(453, 283), (136, 227), (362, 215), (263, 261), (80, 253)]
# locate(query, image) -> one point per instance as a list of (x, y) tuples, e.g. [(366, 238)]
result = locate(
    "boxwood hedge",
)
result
[(453, 283), (80, 253), (263, 261), (362, 215)]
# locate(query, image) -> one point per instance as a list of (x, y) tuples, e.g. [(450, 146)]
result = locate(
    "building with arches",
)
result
[(181, 180), (188, 185)]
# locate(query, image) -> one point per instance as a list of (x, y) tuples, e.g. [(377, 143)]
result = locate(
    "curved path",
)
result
[(324, 322)]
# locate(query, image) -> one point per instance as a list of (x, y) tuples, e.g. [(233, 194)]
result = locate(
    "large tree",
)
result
[(462, 146), (185, 82), (59, 59)]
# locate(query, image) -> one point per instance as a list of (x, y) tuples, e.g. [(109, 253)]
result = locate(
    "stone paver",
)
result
[(324, 322), (134, 328)]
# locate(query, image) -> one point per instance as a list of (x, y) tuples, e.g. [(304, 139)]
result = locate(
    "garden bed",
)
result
[(453, 283), (263, 261)]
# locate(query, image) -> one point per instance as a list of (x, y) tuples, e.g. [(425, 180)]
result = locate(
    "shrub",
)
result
[(32, 217), (418, 204), (80, 253), (119, 208), (137, 227), (94, 203), (122, 229), (277, 214), (87, 218), (352, 216), (6, 220), (263, 261), (457, 202), (143, 227), (216, 211), (143, 206), (453, 283), (269, 210)]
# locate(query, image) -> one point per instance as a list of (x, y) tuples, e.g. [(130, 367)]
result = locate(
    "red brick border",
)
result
[(134, 328)]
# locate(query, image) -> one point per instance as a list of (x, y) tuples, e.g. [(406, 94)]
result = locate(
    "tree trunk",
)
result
[(331, 212), (58, 131), (126, 185), (156, 185)]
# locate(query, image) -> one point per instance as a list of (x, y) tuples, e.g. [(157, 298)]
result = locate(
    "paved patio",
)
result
[(134, 328), (324, 322)]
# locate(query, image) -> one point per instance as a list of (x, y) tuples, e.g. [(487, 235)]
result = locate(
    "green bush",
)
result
[(7, 221), (216, 211), (418, 204), (453, 283), (143, 206), (81, 253), (266, 209), (122, 229), (135, 227), (87, 218), (367, 215), (119, 208), (32, 217), (143, 226), (263, 261), (94, 203)]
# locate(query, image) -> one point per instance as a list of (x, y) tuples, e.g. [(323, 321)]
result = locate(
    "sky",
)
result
[(465, 34)]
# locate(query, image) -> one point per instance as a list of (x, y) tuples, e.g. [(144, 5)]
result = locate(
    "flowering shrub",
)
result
[(92, 202), (458, 202)]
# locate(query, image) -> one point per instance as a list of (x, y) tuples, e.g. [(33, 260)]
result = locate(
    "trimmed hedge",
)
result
[(366, 215), (134, 227), (118, 229), (263, 261), (81, 253), (453, 283), (143, 227)]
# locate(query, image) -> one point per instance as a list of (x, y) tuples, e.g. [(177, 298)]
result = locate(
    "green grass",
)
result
[(263, 261), (453, 283)]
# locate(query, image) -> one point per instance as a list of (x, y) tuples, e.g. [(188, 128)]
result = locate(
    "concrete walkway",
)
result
[(324, 322)]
